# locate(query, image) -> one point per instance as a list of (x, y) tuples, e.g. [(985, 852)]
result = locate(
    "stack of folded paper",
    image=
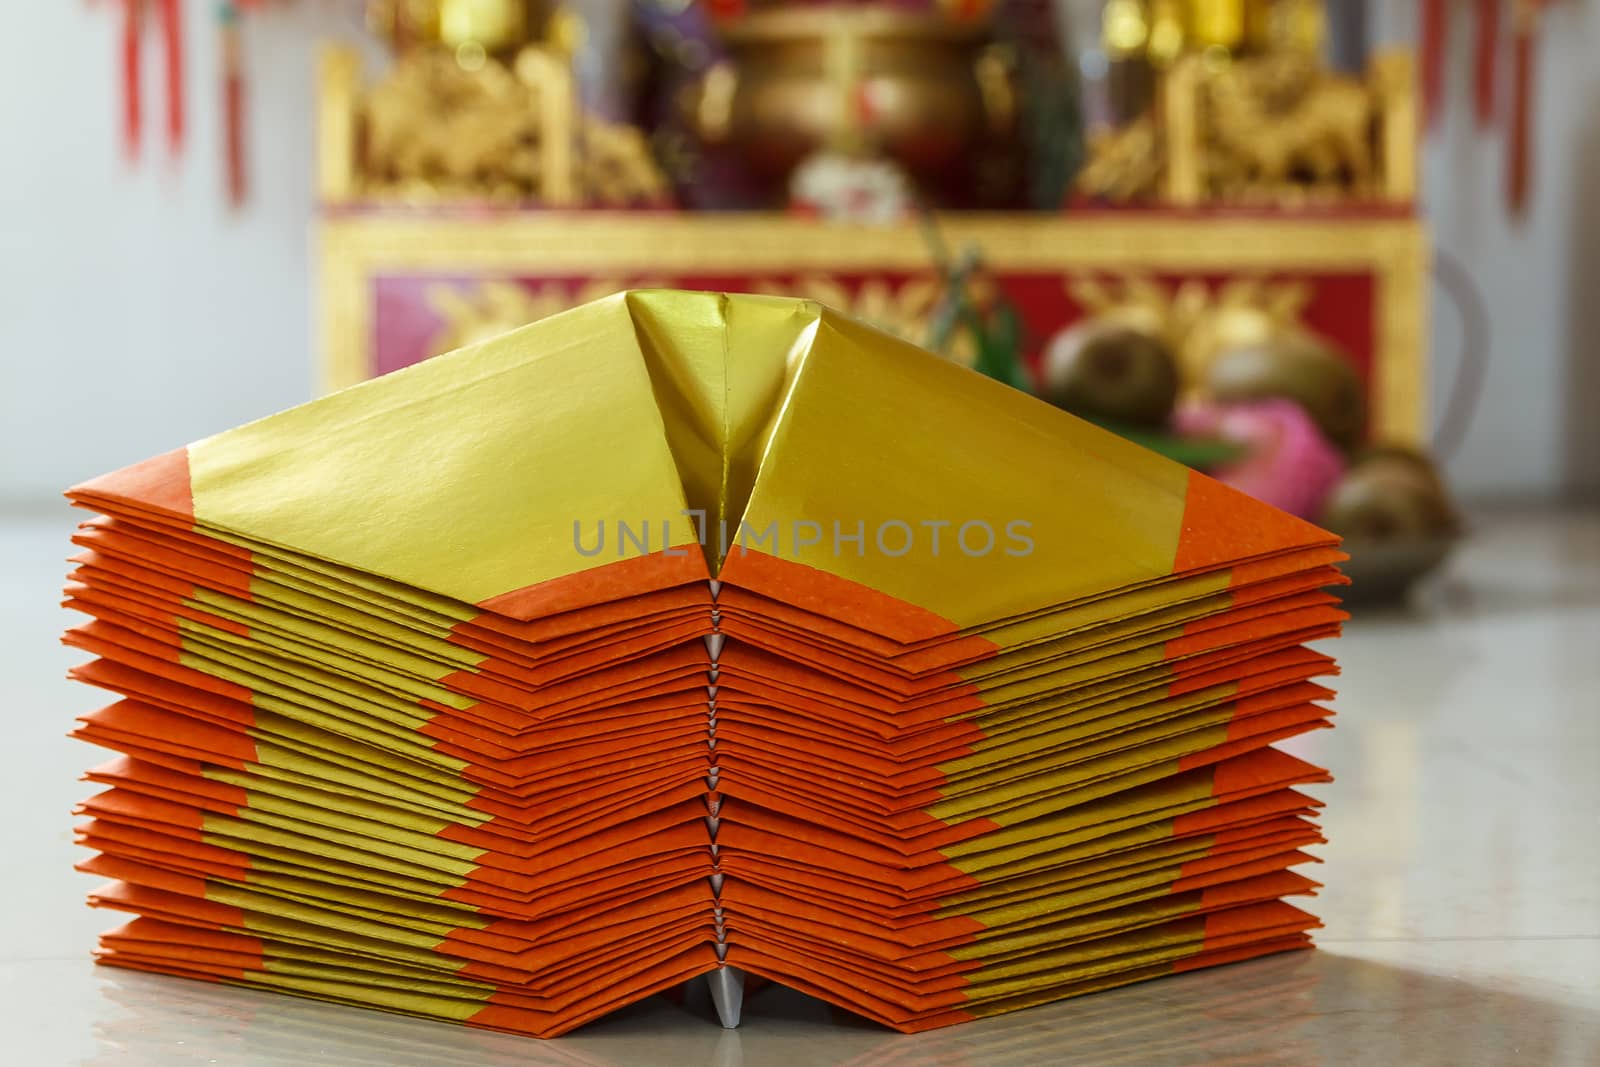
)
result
[(682, 635)]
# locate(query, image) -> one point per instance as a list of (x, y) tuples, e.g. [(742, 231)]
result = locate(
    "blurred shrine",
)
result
[(1215, 183)]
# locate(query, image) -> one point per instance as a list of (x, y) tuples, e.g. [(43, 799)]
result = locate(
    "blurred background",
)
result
[(1168, 216), (1343, 254)]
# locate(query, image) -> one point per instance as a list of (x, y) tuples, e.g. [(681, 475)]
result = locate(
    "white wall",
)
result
[(1538, 425), (137, 312)]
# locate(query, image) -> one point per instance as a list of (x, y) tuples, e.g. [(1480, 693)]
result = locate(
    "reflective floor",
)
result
[(1462, 893)]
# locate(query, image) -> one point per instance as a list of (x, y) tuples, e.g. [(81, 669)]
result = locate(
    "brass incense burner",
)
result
[(921, 89)]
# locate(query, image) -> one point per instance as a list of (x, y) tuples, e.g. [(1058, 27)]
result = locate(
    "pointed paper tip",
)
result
[(1223, 525), (160, 483), (727, 993)]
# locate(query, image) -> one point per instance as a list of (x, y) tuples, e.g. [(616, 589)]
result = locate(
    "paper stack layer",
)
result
[(686, 634)]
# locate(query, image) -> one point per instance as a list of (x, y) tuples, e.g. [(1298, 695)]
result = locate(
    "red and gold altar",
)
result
[(1250, 192)]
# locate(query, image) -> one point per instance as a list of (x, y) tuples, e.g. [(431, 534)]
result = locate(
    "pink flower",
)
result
[(1289, 464)]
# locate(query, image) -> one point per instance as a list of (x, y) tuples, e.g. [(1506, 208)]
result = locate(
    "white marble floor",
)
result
[(1462, 893)]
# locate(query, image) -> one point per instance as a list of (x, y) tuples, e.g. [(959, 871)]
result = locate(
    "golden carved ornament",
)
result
[(1275, 129), (1279, 123), (436, 130)]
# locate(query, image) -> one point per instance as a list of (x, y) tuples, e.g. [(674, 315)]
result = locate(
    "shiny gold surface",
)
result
[(493, 401)]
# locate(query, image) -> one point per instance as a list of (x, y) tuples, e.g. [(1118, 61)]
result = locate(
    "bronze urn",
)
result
[(920, 88)]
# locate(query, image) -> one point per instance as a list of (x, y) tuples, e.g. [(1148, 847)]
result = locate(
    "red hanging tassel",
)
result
[(172, 38), (233, 104), (1485, 67), (1519, 161), (132, 106), (1431, 34)]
